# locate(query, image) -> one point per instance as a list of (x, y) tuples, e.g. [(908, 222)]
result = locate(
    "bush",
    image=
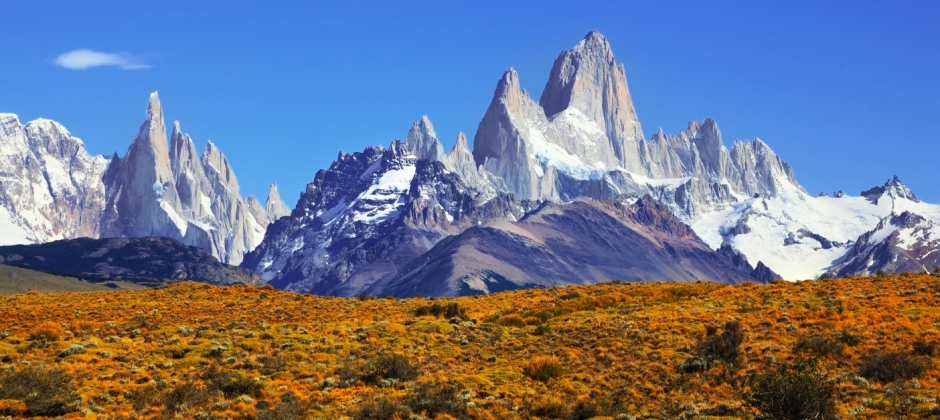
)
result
[(73, 349), (892, 366), (511, 321), (724, 347), (291, 407), (792, 392), (46, 392), (544, 368), (849, 338), (432, 399), (394, 366), (925, 348), (449, 310), (542, 330), (819, 346), (47, 331), (381, 409), (231, 384), (552, 408), (184, 397)]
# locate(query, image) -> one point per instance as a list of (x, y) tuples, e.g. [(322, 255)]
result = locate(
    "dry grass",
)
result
[(196, 351)]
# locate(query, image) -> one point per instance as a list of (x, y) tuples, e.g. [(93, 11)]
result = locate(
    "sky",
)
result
[(846, 92)]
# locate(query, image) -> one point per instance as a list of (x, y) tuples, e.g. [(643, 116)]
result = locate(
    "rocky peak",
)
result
[(588, 79), (213, 159), (274, 206), (422, 140), (893, 188)]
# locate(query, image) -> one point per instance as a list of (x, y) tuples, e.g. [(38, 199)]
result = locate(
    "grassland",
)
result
[(15, 280), (618, 350)]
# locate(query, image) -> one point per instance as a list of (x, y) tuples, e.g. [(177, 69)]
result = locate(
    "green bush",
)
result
[(892, 366), (792, 392), (45, 391)]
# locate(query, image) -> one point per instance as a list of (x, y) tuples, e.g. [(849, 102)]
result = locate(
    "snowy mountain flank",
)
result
[(51, 188), (565, 189)]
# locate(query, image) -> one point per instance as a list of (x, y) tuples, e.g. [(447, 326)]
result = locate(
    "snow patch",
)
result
[(10, 232), (206, 204)]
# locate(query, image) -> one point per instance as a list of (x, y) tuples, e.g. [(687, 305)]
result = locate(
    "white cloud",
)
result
[(84, 59)]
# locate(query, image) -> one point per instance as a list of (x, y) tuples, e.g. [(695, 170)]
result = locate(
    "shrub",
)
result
[(46, 392), (394, 366), (892, 366), (432, 399), (819, 346), (511, 321), (449, 310), (724, 347), (542, 330), (544, 368), (290, 407), (925, 348), (552, 408), (73, 349), (849, 338), (792, 392), (144, 397), (184, 397), (693, 365), (47, 331), (231, 384), (381, 409)]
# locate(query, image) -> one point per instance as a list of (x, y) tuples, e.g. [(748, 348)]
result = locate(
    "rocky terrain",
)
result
[(146, 261)]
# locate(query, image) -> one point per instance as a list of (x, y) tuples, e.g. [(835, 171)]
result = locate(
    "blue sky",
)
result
[(846, 92)]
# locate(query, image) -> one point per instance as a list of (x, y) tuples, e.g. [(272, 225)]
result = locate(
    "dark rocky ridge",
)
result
[(145, 261)]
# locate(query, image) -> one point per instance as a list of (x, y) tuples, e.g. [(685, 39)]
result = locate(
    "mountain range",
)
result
[(563, 190)]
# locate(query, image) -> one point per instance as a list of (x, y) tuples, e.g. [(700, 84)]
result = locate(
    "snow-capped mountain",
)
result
[(371, 224), (562, 190), (51, 188)]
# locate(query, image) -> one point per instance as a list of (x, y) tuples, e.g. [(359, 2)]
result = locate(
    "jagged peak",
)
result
[(460, 145), (508, 83), (154, 109), (594, 43), (893, 188), (422, 140)]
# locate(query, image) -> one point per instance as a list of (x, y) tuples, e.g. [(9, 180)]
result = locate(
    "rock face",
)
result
[(580, 242), (50, 188), (900, 242), (146, 261), (368, 214), (583, 139)]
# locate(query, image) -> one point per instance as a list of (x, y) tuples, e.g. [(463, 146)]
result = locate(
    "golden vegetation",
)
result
[(841, 348)]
